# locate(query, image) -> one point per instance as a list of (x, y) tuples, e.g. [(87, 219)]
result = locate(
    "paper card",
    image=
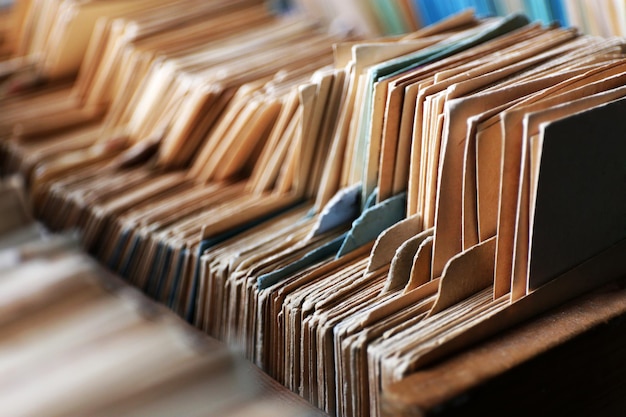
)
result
[(400, 301), (326, 134), (388, 242), (579, 281), (398, 65), (379, 349), (309, 362), (476, 198), (315, 251), (261, 248), (372, 222), (434, 330), (520, 254), (43, 15), (400, 272), (422, 261), (266, 171), (329, 92), (251, 139), (410, 90), (450, 184), (604, 267), (588, 188), (576, 54), (203, 163), (70, 45), (270, 333), (374, 136), (512, 127), (429, 107), (465, 275), (362, 298), (21, 111), (385, 128), (208, 222), (291, 312), (330, 181), (52, 200), (367, 59)]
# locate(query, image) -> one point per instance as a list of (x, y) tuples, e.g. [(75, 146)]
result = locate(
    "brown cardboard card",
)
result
[(430, 119), (590, 82), (68, 44), (571, 258), (412, 84), (391, 239), (365, 58), (483, 158), (449, 209), (422, 262), (400, 272), (396, 157)]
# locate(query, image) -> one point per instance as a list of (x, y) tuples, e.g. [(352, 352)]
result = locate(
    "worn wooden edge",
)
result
[(542, 366)]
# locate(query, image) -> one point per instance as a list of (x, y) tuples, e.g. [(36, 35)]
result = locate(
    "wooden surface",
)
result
[(570, 361)]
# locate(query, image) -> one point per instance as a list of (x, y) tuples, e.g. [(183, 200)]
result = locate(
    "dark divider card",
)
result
[(580, 208)]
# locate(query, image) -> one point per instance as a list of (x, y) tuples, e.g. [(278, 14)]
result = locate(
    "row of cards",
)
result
[(344, 215), (74, 340)]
